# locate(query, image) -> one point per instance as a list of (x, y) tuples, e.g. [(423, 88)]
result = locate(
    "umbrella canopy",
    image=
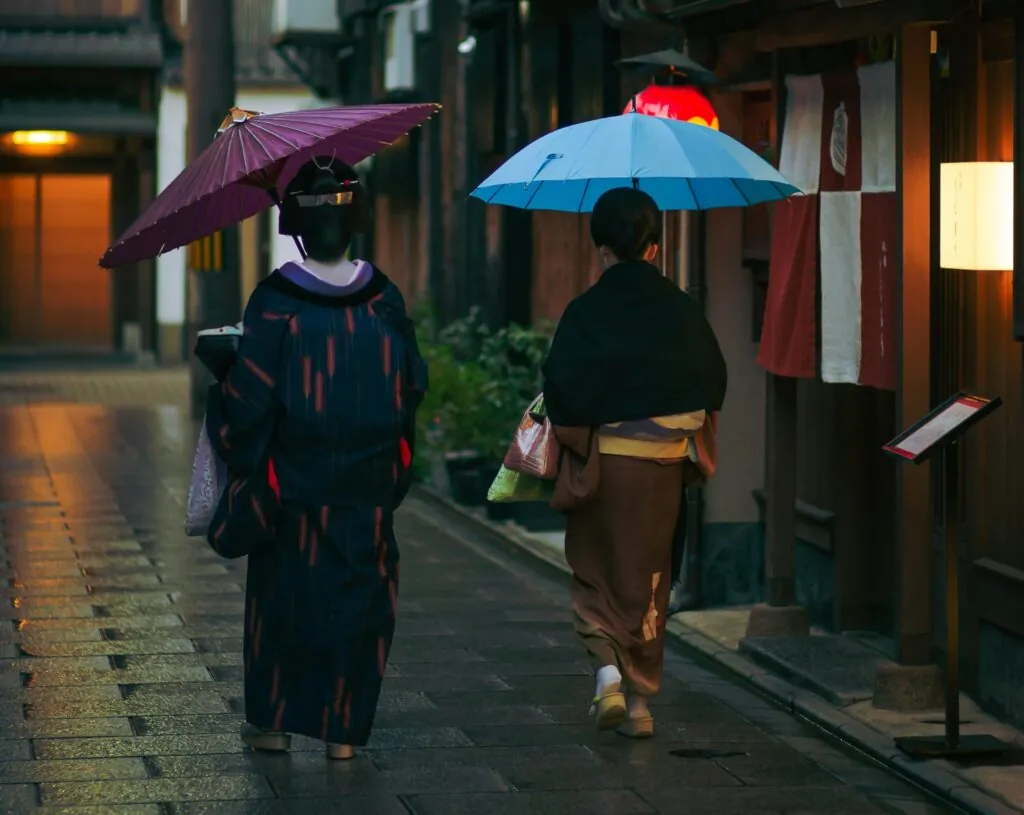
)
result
[(682, 166), (252, 156), (671, 62)]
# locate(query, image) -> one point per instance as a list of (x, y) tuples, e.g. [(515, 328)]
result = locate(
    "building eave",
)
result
[(73, 49)]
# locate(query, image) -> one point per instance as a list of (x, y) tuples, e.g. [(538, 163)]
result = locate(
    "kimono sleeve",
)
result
[(241, 411), (417, 377)]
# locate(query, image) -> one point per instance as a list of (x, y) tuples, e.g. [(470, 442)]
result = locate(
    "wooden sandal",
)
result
[(265, 740), (341, 752), (609, 709), (637, 727)]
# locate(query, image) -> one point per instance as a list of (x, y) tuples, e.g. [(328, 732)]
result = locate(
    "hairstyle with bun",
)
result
[(324, 206), (627, 222)]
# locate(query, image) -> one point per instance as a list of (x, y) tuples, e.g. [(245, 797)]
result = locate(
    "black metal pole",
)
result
[(214, 295), (951, 503)]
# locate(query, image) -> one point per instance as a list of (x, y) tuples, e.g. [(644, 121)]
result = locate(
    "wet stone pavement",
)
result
[(121, 670)]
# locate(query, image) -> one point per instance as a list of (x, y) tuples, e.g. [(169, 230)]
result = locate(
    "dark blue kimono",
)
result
[(326, 383)]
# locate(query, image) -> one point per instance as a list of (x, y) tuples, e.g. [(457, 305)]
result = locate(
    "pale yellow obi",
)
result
[(665, 438)]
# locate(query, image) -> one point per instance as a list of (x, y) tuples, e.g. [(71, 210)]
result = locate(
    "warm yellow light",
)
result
[(976, 216), (40, 138)]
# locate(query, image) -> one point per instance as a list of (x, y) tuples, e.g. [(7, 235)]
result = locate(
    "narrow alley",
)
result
[(122, 667)]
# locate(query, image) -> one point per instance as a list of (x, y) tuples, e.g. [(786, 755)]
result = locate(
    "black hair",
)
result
[(325, 227), (626, 221)]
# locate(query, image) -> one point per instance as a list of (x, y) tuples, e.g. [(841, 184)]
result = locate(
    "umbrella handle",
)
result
[(277, 203)]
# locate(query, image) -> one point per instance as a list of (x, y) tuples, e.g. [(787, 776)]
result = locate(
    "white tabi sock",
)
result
[(607, 677)]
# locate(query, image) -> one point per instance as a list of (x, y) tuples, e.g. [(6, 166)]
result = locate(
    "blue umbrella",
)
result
[(682, 166)]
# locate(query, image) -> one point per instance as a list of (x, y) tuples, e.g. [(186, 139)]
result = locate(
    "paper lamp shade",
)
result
[(681, 102), (976, 216)]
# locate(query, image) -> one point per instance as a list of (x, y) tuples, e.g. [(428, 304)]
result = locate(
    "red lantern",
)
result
[(681, 102)]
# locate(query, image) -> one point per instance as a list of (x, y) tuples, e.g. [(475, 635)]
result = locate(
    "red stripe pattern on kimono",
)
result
[(839, 147)]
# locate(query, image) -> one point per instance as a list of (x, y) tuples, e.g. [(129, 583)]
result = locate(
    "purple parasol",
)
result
[(253, 156)]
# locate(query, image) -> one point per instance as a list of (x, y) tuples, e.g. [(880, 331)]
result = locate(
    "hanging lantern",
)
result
[(682, 102)]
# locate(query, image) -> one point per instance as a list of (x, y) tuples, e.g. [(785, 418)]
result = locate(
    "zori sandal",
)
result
[(609, 709), (268, 740), (637, 727)]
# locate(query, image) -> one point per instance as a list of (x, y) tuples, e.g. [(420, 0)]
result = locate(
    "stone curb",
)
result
[(798, 677), (930, 776)]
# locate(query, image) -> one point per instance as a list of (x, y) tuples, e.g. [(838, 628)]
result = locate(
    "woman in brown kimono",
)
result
[(635, 362)]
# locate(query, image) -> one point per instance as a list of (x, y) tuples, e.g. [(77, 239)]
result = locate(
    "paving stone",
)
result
[(159, 690), (221, 645), (353, 779), (548, 767), (86, 727), (185, 725), (477, 713), (775, 765), (760, 800), (189, 744), (72, 770), (526, 735), (238, 763), (18, 798), (146, 623), (164, 645), (14, 749), (126, 809), (382, 804), (34, 695), (156, 790), (603, 802), (137, 706), (406, 738), (711, 714)]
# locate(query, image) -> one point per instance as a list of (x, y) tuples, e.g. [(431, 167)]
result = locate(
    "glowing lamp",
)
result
[(976, 216), (39, 142), (681, 102), (40, 138)]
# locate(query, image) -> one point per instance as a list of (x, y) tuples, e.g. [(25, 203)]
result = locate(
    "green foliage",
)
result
[(481, 381)]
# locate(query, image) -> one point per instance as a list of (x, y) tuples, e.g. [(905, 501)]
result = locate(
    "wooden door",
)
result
[(18, 259), (74, 231)]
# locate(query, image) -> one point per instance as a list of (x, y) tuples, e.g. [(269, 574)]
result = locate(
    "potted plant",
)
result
[(511, 360)]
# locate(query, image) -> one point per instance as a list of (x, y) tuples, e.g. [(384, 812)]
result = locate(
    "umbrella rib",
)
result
[(586, 189), (534, 195), (743, 195), (693, 193)]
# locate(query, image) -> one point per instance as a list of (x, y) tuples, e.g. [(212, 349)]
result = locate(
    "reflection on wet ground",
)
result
[(121, 678)]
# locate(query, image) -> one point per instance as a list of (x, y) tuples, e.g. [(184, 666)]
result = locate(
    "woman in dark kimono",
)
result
[(324, 391), (635, 363)]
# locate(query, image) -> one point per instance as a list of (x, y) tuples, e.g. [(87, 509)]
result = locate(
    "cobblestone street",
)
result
[(121, 692)]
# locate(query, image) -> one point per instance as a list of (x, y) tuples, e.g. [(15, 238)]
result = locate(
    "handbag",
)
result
[(209, 479), (579, 471), (535, 450)]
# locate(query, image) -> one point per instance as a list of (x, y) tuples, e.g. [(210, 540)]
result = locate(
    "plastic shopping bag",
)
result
[(510, 486)]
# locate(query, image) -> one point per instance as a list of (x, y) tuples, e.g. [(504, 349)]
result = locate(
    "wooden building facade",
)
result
[(806, 508)]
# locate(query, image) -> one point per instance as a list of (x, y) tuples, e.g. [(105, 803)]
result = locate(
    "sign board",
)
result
[(943, 425)]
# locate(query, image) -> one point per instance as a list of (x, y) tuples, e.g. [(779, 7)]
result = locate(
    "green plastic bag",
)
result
[(510, 487)]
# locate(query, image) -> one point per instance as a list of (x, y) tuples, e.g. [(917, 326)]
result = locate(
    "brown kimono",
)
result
[(619, 546)]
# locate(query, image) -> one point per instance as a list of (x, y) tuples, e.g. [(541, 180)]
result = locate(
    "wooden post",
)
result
[(779, 616), (213, 297), (913, 398), (124, 204), (780, 527), (1018, 172)]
